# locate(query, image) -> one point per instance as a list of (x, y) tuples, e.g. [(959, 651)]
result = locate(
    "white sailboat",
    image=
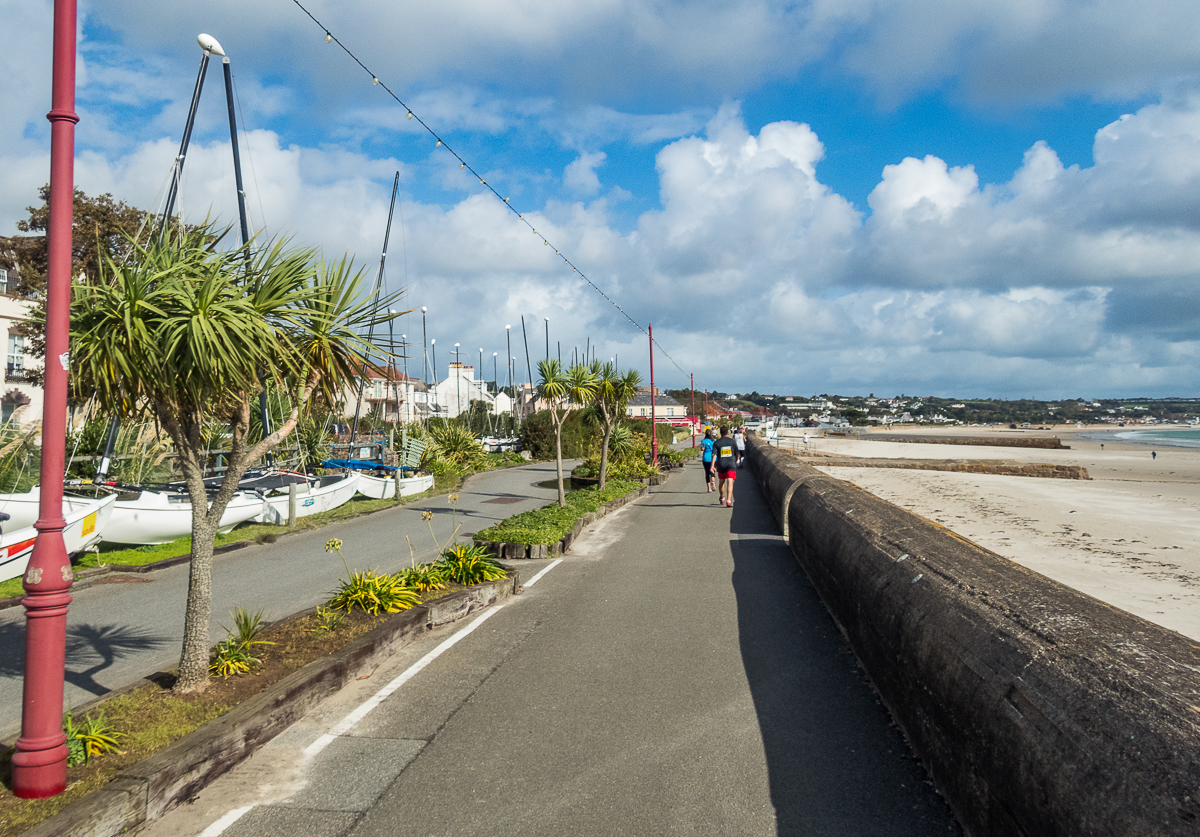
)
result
[(86, 521), (322, 494), (152, 516), (383, 488)]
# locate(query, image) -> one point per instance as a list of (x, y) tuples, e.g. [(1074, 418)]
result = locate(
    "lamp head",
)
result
[(423, 309), (507, 327), (209, 44)]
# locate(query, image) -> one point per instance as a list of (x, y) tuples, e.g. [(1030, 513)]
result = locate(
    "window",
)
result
[(3, 280), (14, 369), (642, 411), (378, 387)]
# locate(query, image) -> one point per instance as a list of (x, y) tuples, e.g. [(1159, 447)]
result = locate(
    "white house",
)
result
[(664, 405), (20, 400), (455, 394), (393, 394)]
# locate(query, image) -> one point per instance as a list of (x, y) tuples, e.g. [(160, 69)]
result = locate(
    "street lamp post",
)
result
[(508, 381), (433, 351), (40, 763), (406, 390), (547, 338)]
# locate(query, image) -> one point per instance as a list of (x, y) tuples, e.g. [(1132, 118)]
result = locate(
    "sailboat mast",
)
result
[(375, 311)]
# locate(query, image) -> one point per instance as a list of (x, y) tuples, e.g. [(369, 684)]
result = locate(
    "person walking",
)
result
[(739, 442), (706, 453), (725, 459)]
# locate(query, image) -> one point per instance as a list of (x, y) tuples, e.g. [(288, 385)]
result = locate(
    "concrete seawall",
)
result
[(1036, 709), (985, 441)]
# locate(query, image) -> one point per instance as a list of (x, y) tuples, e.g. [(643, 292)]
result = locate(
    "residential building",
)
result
[(390, 393), (21, 401), (665, 407)]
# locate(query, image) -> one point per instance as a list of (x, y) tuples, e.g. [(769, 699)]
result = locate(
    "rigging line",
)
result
[(463, 164)]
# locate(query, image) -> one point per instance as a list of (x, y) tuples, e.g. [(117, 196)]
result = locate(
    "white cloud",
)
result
[(580, 175)]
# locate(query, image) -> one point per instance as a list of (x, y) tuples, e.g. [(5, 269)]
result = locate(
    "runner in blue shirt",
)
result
[(706, 450)]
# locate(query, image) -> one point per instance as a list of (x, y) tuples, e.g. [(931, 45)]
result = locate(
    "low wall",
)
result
[(1037, 710), (966, 466), (985, 441)]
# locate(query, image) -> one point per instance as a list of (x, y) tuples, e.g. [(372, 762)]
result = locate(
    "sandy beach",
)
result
[(1130, 536)]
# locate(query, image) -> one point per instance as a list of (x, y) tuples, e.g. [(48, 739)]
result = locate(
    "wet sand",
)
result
[(1130, 536)]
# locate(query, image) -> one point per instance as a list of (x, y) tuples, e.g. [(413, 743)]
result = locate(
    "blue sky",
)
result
[(957, 198)]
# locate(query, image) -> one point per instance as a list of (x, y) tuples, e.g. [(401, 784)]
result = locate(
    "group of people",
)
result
[(721, 457)]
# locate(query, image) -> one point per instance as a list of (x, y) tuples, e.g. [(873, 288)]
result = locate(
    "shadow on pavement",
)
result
[(90, 650), (837, 764)]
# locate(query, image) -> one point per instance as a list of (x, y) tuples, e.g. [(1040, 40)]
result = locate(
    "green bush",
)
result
[(469, 564), (537, 435), (549, 523)]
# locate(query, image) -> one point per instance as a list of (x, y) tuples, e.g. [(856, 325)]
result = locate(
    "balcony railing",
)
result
[(14, 372)]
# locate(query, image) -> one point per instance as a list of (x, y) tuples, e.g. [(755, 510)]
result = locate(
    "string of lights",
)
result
[(330, 38)]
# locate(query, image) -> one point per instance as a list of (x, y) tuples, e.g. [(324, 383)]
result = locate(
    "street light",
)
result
[(433, 351), (40, 763), (547, 338)]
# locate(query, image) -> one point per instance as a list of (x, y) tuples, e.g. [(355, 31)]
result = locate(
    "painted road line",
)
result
[(545, 570), (347, 723), (218, 827)]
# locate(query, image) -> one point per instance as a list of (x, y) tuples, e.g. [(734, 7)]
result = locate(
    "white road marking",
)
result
[(545, 570), (218, 827), (347, 723)]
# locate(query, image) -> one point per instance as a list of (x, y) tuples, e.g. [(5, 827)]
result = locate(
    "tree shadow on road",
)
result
[(90, 650), (837, 764)]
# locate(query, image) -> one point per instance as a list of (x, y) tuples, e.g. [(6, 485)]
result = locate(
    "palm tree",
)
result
[(613, 393), (184, 331), (560, 388)]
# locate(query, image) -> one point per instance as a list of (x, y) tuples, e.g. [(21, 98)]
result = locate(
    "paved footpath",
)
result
[(131, 626), (674, 674)]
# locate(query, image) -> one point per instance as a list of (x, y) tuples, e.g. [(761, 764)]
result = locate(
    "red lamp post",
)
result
[(40, 763), (653, 417)]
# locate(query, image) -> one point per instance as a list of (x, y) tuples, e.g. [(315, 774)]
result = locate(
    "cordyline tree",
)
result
[(560, 388), (188, 332), (613, 393)]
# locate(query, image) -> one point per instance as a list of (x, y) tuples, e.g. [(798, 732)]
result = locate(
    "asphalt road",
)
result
[(132, 626), (675, 674)]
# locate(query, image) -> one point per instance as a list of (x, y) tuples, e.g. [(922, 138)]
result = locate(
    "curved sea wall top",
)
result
[(1037, 710)]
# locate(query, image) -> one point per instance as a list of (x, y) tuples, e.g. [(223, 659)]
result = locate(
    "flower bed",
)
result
[(549, 530)]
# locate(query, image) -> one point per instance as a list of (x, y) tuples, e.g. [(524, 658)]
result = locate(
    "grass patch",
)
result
[(549, 523)]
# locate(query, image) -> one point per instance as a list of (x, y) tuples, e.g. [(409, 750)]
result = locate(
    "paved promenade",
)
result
[(131, 626), (674, 674)]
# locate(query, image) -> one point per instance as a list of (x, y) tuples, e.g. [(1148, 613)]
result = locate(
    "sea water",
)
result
[(1162, 438)]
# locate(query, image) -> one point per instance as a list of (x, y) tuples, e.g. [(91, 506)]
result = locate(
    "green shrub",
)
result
[(93, 737), (537, 435), (424, 577), (374, 593), (549, 523), (469, 564)]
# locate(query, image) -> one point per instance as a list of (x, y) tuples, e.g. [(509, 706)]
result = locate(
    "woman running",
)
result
[(706, 452)]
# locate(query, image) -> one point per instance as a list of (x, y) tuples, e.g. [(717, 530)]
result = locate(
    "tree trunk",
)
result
[(562, 494), (604, 454), (193, 661)]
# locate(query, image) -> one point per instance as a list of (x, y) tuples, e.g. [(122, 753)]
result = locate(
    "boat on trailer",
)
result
[(86, 520)]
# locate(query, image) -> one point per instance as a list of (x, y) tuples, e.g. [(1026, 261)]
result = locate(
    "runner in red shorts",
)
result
[(725, 457)]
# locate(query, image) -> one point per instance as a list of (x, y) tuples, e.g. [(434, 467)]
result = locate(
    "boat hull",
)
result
[(377, 488), (155, 517), (86, 522), (383, 488), (325, 495)]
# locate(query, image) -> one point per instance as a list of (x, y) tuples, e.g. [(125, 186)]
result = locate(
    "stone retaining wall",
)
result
[(1037, 710)]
